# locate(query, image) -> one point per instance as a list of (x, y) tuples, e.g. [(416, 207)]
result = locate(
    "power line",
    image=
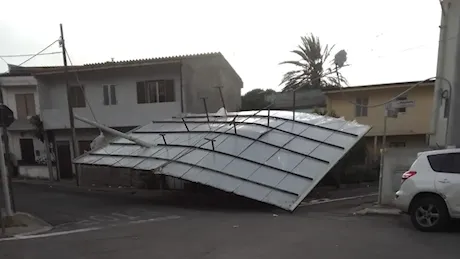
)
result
[(28, 55), (35, 55)]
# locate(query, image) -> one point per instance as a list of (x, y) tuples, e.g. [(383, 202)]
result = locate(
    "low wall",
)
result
[(115, 177), (396, 162), (36, 171)]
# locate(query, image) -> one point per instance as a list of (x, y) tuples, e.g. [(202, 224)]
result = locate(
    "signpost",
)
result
[(6, 116), (391, 110), (6, 119), (402, 103)]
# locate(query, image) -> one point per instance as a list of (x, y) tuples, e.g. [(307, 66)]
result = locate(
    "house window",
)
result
[(155, 91), (361, 106), (25, 105), (401, 109), (446, 107), (110, 95), (77, 96)]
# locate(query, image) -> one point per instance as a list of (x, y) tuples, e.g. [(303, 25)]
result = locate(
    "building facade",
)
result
[(19, 93), (410, 128), (126, 94)]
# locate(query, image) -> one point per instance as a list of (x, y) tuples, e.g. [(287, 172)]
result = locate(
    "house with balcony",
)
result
[(126, 94), (19, 93), (411, 127)]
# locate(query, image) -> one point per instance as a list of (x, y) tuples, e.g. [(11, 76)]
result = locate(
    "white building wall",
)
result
[(9, 97), (127, 112), (21, 85)]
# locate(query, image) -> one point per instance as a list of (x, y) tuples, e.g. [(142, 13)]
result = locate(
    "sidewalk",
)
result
[(71, 186), (22, 224), (376, 209)]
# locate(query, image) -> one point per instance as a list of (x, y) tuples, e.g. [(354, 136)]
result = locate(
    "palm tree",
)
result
[(311, 69)]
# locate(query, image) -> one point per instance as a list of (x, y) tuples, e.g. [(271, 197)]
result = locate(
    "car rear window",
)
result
[(447, 162)]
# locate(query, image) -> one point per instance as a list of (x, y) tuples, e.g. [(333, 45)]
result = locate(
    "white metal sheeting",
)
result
[(265, 156)]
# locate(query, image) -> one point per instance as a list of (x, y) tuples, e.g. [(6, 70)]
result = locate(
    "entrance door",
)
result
[(27, 150), (64, 159)]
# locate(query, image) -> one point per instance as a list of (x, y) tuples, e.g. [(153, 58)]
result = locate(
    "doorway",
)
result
[(64, 159), (27, 150)]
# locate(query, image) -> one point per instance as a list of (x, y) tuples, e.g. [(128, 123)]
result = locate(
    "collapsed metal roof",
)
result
[(266, 155)]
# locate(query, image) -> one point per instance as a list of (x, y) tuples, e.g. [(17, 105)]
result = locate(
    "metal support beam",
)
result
[(164, 138), (221, 96), (113, 131), (205, 107)]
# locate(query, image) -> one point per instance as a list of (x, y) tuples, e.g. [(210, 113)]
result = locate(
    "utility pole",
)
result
[(453, 138), (6, 188), (69, 107), (5, 176), (6, 142)]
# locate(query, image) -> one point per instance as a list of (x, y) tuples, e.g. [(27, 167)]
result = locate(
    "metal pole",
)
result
[(5, 186), (293, 105), (48, 155), (2, 221), (6, 142), (205, 107), (69, 107), (382, 155), (221, 96), (454, 124)]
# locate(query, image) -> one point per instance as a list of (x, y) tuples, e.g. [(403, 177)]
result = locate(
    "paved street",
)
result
[(72, 210), (246, 235), (136, 228)]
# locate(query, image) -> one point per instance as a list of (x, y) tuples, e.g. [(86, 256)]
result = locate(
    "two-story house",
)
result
[(19, 93), (126, 94), (412, 125)]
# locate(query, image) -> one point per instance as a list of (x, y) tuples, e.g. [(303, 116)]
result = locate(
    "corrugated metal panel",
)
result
[(265, 156)]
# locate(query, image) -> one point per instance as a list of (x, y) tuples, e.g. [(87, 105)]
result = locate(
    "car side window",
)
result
[(448, 162)]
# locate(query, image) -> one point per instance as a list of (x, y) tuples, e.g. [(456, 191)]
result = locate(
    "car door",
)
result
[(447, 181)]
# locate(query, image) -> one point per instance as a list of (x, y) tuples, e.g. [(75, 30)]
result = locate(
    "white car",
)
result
[(430, 189)]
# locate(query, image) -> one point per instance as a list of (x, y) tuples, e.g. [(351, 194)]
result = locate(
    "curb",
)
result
[(42, 226), (81, 189), (379, 211), (326, 200)]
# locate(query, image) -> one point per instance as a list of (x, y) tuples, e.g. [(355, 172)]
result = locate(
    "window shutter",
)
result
[(170, 91), (141, 98), (113, 95), (106, 94), (30, 104)]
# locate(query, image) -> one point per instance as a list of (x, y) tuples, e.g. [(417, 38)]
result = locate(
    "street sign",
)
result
[(6, 116), (390, 111), (402, 103)]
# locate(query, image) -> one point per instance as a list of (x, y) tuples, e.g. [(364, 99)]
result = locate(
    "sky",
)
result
[(386, 41)]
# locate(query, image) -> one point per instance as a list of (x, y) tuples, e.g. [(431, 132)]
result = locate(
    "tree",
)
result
[(314, 69), (256, 99)]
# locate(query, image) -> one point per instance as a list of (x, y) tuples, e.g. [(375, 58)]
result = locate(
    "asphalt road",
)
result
[(138, 228), (246, 235)]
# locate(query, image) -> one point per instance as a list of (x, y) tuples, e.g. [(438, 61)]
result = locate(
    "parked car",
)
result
[(430, 189)]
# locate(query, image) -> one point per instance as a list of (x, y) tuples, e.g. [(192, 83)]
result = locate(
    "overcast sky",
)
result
[(387, 41)]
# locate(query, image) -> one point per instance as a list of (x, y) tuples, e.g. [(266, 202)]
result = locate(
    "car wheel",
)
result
[(429, 214)]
